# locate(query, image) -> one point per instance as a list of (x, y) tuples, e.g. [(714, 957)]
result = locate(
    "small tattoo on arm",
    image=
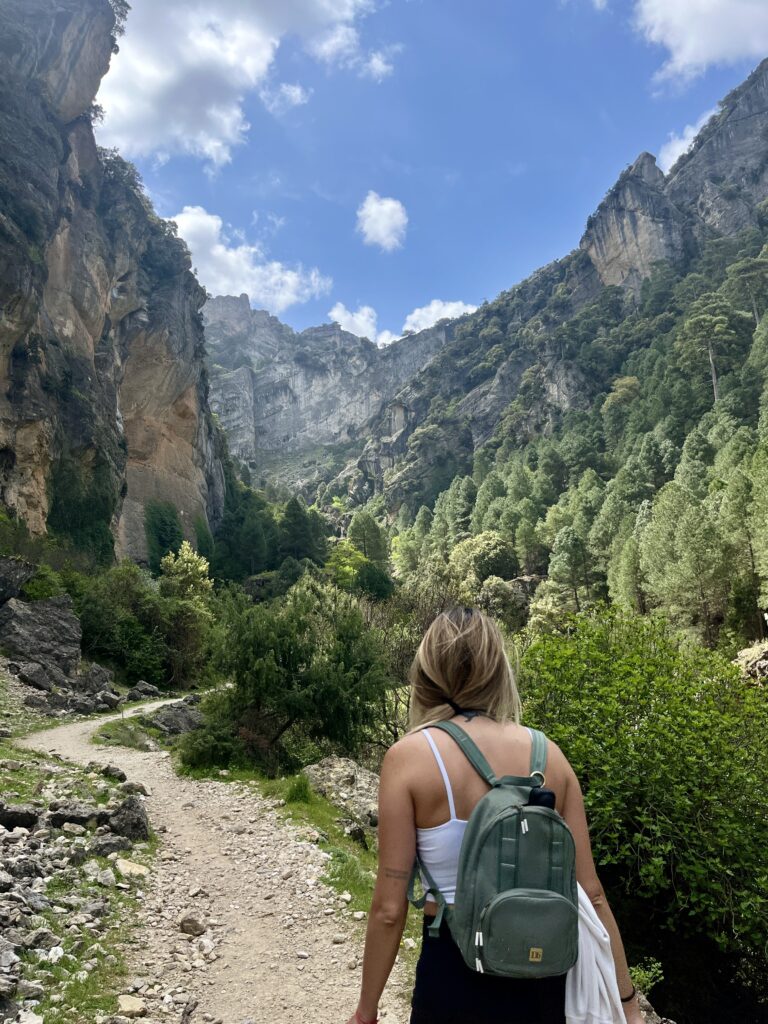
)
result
[(401, 876)]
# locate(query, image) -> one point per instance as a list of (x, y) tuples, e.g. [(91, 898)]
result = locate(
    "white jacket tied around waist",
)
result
[(591, 991)]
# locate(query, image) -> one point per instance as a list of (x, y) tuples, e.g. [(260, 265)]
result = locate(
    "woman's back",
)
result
[(507, 748)]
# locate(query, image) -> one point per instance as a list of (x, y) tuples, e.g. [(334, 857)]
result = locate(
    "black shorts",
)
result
[(449, 992)]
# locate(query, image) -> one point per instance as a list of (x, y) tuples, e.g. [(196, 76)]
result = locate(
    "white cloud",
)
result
[(382, 221), (600, 5), (378, 65), (341, 47), (676, 144), (425, 316), (228, 265), (285, 97), (180, 80), (364, 320), (699, 33)]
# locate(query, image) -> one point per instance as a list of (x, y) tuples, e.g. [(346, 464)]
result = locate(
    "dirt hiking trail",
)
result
[(279, 944)]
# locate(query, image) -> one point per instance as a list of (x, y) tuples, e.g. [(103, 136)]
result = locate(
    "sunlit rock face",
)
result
[(715, 188), (103, 398), (279, 392)]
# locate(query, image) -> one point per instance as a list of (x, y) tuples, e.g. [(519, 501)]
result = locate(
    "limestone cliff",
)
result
[(714, 188), (515, 345), (103, 392), (280, 394)]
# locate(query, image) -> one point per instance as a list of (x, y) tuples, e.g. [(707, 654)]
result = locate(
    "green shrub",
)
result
[(646, 975), (671, 746), (158, 631), (299, 790), (305, 667), (213, 745), (44, 584), (83, 502)]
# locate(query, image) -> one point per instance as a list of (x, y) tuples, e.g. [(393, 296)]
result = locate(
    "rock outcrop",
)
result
[(57, 837), (103, 396), (280, 394), (714, 188), (348, 785)]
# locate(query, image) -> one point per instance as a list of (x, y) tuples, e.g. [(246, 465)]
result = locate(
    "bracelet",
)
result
[(624, 999)]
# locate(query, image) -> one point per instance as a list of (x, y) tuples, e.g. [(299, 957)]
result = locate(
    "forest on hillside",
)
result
[(623, 549)]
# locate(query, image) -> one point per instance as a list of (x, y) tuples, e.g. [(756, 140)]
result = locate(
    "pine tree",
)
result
[(297, 533), (715, 334), (368, 537), (492, 487)]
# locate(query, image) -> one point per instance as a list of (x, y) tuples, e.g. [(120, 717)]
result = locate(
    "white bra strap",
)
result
[(444, 773)]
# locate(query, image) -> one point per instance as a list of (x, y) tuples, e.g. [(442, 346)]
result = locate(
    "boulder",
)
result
[(37, 701), (35, 675), (192, 922), (18, 816), (753, 662), (130, 869), (14, 573), (143, 691), (110, 699), (46, 632), (347, 785), (81, 704), (130, 819), (77, 813), (111, 771), (175, 719), (94, 679), (103, 846), (131, 1006)]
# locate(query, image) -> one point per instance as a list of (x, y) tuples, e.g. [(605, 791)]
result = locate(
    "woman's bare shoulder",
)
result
[(404, 752)]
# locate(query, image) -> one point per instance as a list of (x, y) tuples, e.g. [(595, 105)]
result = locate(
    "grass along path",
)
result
[(280, 944)]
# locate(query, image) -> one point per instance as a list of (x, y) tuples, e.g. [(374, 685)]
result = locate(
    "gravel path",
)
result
[(280, 945)]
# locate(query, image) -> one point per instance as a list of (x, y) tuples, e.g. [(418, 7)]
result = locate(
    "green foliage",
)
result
[(306, 664), (205, 542), (664, 739), (299, 790), (163, 531), (646, 975), (158, 631), (369, 538), (302, 533), (46, 583), (82, 503)]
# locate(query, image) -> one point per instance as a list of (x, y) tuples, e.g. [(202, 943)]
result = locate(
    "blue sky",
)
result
[(380, 158)]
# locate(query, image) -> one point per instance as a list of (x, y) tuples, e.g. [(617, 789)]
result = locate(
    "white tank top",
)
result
[(439, 847)]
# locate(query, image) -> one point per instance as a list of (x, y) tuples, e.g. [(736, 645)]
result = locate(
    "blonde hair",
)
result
[(462, 659)]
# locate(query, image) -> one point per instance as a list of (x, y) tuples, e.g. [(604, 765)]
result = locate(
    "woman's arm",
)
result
[(397, 852), (586, 875)]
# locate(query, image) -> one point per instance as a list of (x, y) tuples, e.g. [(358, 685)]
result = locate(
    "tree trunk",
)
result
[(712, 369)]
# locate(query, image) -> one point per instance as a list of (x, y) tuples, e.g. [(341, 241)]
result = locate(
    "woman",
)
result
[(428, 791)]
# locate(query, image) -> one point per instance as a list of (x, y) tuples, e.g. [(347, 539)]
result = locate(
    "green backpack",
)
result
[(516, 909)]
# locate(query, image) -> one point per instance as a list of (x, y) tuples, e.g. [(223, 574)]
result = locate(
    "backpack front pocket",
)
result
[(527, 933)]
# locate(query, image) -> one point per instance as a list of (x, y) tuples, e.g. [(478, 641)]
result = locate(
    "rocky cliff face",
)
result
[(713, 189), (512, 345), (103, 393), (279, 393)]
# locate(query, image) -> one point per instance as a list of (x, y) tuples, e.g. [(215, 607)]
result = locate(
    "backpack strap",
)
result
[(470, 750), (539, 750), (443, 910)]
